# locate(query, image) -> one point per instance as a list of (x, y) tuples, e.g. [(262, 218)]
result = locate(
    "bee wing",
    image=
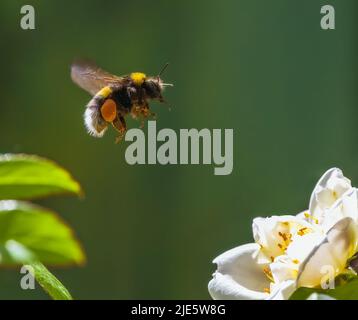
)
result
[(92, 78)]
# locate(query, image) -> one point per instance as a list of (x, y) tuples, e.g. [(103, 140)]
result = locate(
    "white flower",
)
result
[(291, 251)]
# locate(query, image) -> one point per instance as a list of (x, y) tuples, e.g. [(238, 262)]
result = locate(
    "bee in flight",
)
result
[(115, 97)]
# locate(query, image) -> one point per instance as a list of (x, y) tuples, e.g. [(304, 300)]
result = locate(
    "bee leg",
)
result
[(150, 114), (147, 113), (135, 112), (140, 96), (153, 115), (143, 117), (140, 115), (120, 125)]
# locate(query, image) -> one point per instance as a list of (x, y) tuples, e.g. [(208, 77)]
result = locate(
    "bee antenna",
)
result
[(163, 69)]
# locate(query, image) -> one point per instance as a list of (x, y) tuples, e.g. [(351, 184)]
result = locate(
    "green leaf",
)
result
[(346, 291), (55, 289), (28, 177), (29, 232)]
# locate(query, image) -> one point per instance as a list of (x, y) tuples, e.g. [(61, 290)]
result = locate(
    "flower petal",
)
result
[(346, 206), (302, 246), (238, 276), (330, 187), (283, 290), (283, 268), (339, 244)]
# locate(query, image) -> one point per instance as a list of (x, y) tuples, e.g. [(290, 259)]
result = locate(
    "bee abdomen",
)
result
[(95, 124)]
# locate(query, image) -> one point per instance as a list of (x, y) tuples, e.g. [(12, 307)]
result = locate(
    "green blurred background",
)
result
[(264, 68)]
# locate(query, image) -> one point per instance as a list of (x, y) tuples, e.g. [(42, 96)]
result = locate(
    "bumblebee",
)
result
[(115, 97)]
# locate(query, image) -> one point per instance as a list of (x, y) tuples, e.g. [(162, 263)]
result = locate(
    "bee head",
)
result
[(153, 86)]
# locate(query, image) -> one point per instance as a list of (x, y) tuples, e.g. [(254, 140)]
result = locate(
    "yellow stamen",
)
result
[(268, 273), (267, 290), (303, 231), (283, 236), (309, 216), (287, 239), (295, 261)]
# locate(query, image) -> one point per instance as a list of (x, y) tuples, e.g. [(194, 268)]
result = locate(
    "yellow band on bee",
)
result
[(104, 92), (138, 78)]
